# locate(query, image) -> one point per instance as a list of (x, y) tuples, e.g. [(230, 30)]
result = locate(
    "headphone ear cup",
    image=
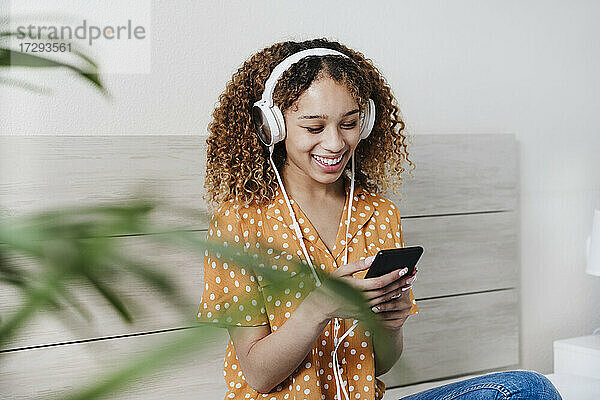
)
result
[(280, 131), (368, 120), (268, 122)]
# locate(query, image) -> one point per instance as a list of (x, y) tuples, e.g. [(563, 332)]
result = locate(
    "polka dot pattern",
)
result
[(227, 286), (375, 225)]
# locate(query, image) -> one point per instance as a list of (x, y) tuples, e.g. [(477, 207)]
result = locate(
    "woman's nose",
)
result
[(333, 139)]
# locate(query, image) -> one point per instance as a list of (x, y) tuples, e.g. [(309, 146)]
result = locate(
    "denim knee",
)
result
[(529, 385)]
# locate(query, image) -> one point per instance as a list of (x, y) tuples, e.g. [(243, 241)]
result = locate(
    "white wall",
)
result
[(528, 68)]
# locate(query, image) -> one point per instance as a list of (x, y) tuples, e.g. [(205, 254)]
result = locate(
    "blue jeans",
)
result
[(496, 386)]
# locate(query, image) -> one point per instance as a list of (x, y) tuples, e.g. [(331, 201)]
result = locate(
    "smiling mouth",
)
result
[(328, 161)]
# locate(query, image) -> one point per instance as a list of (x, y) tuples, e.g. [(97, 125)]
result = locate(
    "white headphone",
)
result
[(270, 125), (268, 118)]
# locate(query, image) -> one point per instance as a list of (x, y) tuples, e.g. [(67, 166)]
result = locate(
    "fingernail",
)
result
[(403, 271), (396, 296), (369, 259), (404, 289), (375, 309), (410, 280)]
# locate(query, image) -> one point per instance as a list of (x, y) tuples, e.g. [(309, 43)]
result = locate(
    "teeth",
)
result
[(328, 161)]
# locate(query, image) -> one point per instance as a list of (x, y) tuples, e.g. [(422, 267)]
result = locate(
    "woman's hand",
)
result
[(394, 307), (384, 291)]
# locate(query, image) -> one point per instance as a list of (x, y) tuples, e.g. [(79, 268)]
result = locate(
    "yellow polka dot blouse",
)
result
[(375, 225)]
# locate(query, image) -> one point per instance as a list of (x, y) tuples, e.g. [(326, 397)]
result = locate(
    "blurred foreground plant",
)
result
[(19, 58), (76, 246)]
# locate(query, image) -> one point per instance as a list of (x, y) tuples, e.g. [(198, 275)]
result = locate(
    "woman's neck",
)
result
[(304, 189)]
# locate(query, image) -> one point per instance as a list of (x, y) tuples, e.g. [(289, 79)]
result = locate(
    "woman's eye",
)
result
[(313, 130), (349, 125)]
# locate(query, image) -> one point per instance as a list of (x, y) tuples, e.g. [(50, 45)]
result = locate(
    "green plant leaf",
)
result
[(111, 296), (13, 58)]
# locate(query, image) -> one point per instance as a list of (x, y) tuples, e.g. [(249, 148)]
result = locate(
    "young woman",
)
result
[(298, 126)]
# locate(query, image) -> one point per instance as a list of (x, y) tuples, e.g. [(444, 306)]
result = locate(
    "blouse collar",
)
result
[(362, 210)]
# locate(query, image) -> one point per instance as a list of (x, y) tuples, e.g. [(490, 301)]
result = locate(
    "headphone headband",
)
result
[(288, 62)]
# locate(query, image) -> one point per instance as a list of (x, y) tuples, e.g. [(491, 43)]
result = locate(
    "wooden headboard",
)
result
[(461, 207)]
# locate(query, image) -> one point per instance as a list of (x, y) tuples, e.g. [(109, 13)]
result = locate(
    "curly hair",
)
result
[(238, 165)]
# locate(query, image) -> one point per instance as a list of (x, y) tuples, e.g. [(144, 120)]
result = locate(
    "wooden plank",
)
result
[(151, 311), (455, 173), (463, 254), (39, 172), (459, 174), (46, 372), (458, 335), (450, 336)]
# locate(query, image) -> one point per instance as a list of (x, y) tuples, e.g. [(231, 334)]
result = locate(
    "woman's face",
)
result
[(321, 126)]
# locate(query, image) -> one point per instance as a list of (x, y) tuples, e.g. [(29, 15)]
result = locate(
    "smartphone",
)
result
[(389, 260)]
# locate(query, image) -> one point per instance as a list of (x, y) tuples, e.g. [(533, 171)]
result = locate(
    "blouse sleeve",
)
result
[(231, 293), (400, 243)]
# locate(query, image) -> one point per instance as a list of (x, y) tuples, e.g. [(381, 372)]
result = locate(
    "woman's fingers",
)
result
[(397, 301), (378, 283), (396, 291), (352, 268), (397, 278), (388, 311), (386, 293)]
